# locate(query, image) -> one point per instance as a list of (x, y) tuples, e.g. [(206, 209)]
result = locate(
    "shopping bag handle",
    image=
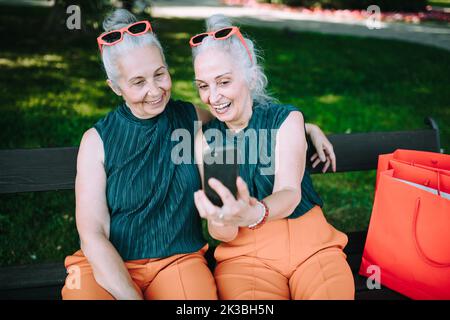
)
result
[(422, 254), (436, 170), (414, 164)]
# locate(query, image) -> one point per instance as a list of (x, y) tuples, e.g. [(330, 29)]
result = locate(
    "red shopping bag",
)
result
[(422, 159), (409, 233)]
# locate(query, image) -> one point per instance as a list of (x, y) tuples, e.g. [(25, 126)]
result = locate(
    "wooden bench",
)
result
[(55, 168)]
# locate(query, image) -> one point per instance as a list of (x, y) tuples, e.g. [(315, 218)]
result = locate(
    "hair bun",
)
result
[(117, 19), (217, 21)]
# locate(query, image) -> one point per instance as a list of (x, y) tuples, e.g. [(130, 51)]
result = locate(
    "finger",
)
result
[(253, 201), (332, 155), (223, 214), (314, 156), (325, 167), (223, 192), (208, 206), (316, 162), (321, 154), (199, 205), (333, 162), (242, 188), (217, 223)]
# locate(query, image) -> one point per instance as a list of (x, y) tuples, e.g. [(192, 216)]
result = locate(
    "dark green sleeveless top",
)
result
[(150, 198), (257, 143)]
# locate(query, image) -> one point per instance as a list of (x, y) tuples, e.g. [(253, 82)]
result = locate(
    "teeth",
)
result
[(155, 102), (221, 106)]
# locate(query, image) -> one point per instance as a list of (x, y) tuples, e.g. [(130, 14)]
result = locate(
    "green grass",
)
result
[(53, 89), (440, 3)]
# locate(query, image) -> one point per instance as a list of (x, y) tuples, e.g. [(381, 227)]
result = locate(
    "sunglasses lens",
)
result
[(199, 38), (111, 37), (223, 33), (137, 28)]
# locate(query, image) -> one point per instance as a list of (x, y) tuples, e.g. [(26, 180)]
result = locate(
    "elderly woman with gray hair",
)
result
[(140, 234), (276, 242)]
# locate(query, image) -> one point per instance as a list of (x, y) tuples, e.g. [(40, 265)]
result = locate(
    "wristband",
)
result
[(263, 218)]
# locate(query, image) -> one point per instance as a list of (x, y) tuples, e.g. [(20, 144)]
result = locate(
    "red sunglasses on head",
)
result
[(221, 34), (110, 38)]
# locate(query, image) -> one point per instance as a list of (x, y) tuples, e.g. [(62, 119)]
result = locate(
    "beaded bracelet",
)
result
[(262, 219)]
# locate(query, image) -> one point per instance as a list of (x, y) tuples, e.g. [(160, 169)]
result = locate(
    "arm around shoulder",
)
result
[(290, 153)]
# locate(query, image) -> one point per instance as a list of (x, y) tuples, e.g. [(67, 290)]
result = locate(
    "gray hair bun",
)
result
[(217, 21), (117, 19)]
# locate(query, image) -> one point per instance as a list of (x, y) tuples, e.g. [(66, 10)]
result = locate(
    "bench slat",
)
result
[(356, 242), (45, 169), (25, 170), (359, 151), (32, 276), (40, 293), (384, 293)]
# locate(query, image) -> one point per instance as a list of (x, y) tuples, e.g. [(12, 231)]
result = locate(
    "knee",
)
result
[(341, 287), (324, 277)]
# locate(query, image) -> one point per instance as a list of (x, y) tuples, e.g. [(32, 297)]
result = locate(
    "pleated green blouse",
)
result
[(257, 168), (150, 197)]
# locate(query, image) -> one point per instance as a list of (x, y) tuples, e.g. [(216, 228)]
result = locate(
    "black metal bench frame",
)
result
[(47, 169)]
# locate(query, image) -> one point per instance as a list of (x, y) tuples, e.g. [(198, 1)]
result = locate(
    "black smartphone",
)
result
[(222, 164)]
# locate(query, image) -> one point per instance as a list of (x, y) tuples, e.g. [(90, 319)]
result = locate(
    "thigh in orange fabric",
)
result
[(324, 276), (80, 283), (187, 278), (311, 232), (246, 278)]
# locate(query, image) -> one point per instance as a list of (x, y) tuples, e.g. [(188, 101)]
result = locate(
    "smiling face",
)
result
[(222, 86), (144, 81)]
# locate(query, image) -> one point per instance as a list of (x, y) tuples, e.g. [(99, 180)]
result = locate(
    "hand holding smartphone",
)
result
[(221, 164)]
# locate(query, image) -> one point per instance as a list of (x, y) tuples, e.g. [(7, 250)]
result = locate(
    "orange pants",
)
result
[(179, 277), (286, 259)]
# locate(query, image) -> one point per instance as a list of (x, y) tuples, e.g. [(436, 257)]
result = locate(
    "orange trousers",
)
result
[(179, 277), (285, 259)]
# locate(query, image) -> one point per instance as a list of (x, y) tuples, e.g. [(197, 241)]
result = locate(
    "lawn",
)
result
[(440, 3), (53, 88)]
